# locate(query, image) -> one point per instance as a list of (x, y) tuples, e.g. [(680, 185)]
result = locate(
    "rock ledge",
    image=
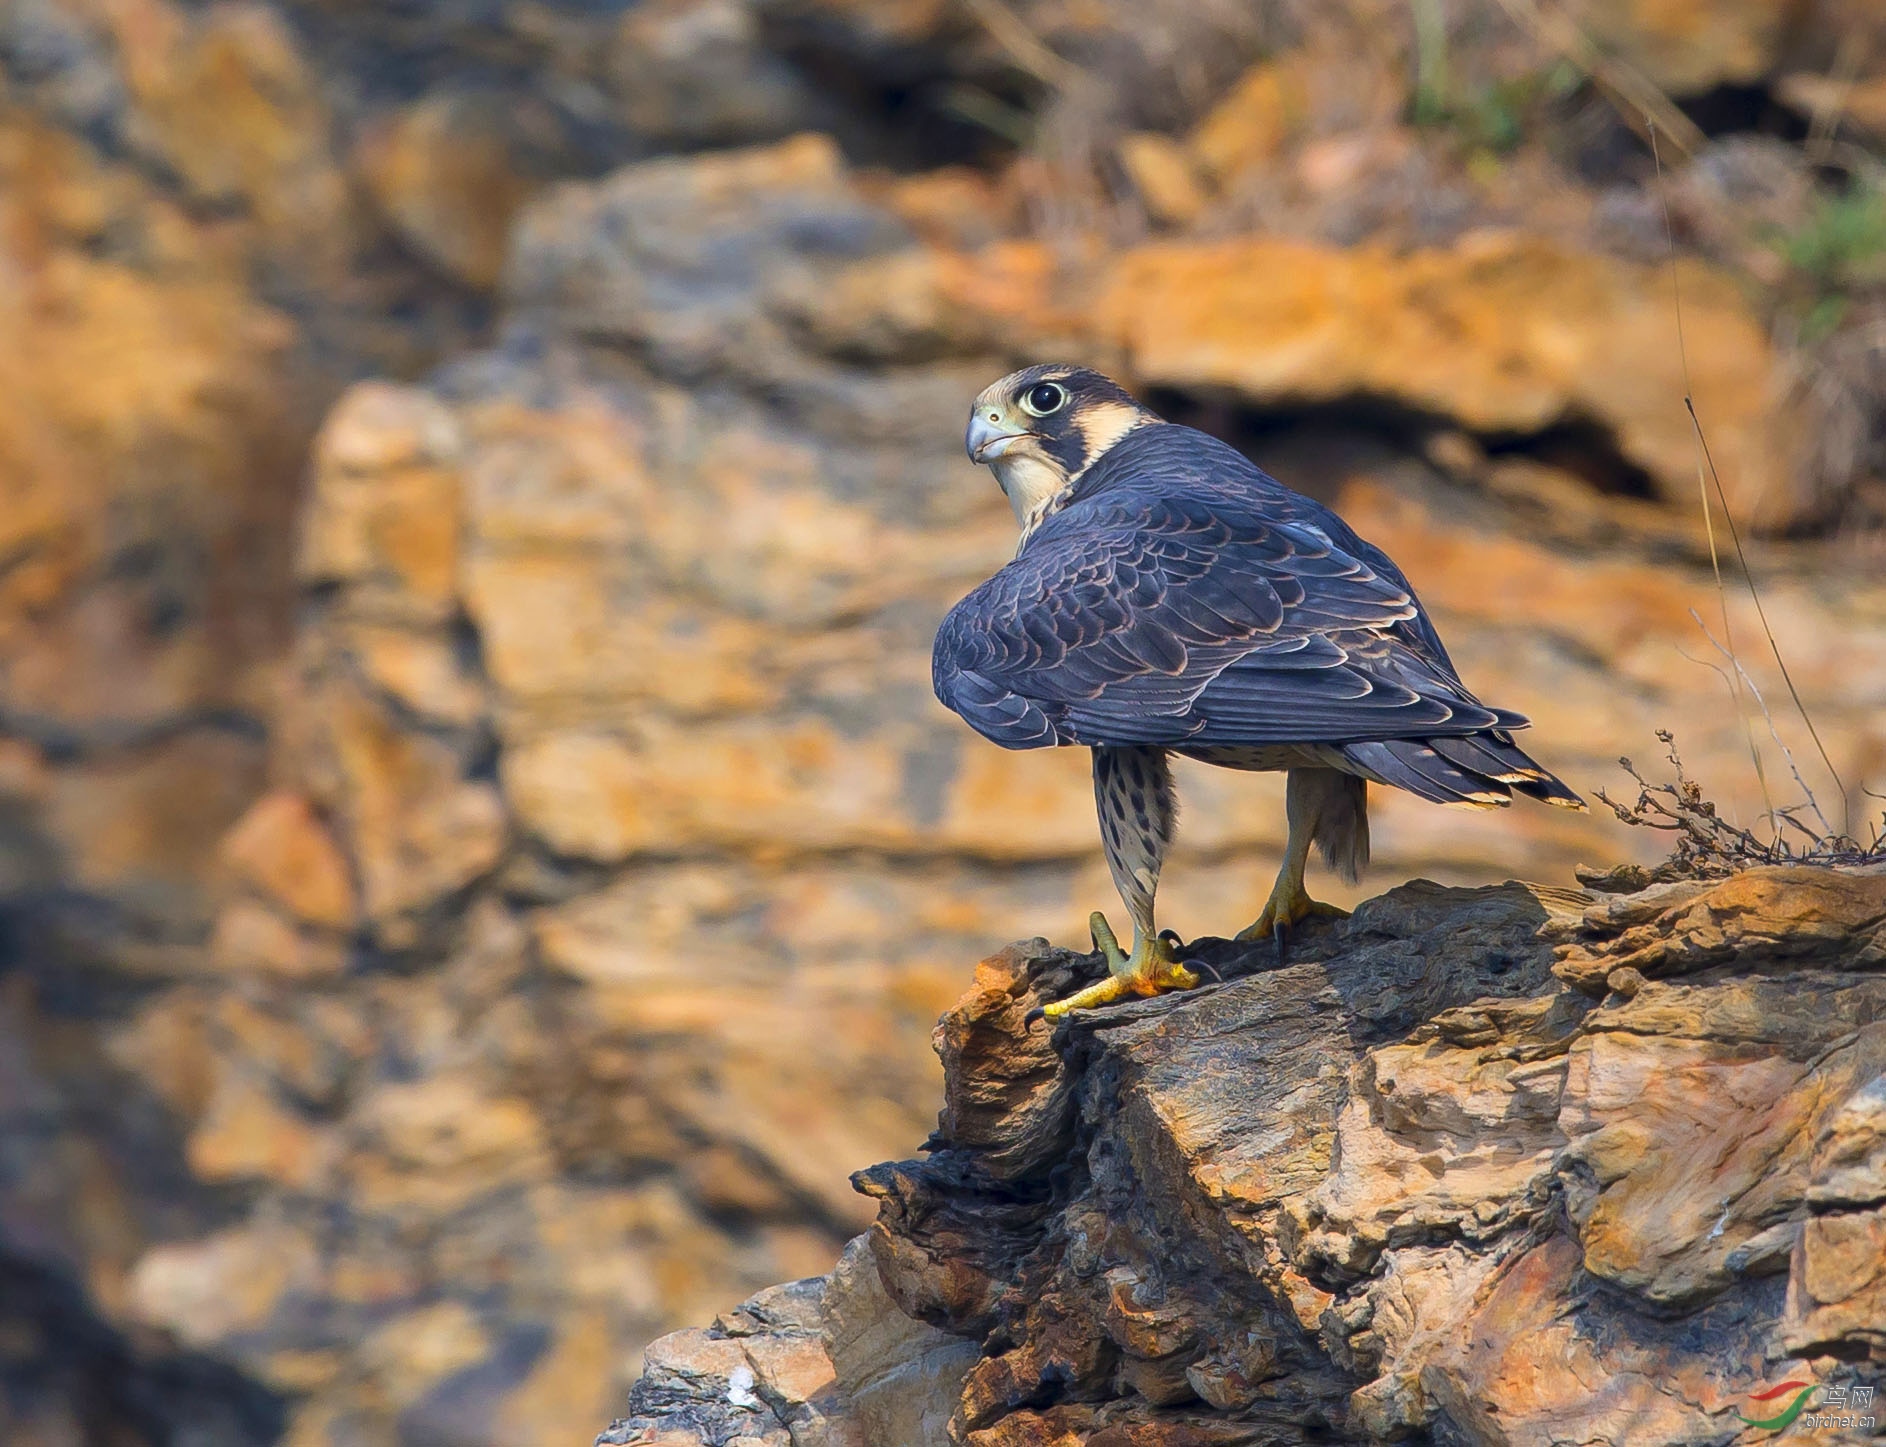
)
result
[(1502, 1165)]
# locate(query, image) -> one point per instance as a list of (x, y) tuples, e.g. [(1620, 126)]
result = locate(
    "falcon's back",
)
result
[(1182, 596)]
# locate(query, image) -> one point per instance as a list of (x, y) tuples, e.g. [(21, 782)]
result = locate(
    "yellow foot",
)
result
[(1151, 967), (1287, 907)]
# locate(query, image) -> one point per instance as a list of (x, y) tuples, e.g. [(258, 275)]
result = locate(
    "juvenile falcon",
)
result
[(1170, 597)]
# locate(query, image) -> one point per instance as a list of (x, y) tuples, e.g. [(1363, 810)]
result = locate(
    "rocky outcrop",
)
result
[(1331, 323), (1500, 1165), (478, 859), (613, 859)]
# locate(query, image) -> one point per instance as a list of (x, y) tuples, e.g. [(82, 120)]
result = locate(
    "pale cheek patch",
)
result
[(1101, 424)]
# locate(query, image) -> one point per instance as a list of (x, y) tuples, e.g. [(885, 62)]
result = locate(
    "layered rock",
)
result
[(477, 873), (1498, 1165), (1559, 337), (216, 216), (615, 858)]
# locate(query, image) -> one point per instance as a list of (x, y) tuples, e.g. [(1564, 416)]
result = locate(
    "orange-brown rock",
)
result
[(1536, 335), (1249, 125), (1406, 1182), (1165, 177), (190, 278), (449, 174), (282, 849), (139, 593), (600, 861), (762, 1374)]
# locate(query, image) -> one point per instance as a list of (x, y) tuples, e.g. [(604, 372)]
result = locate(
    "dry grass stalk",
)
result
[(1637, 98)]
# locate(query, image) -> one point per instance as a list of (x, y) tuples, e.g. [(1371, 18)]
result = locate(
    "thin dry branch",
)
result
[(1635, 96), (1707, 846), (1761, 612), (1702, 456), (1773, 732), (1027, 49)]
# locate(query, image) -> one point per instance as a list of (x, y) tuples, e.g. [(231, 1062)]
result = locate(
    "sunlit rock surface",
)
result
[(1502, 1165)]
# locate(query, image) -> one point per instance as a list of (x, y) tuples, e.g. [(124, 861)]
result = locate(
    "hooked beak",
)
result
[(988, 440)]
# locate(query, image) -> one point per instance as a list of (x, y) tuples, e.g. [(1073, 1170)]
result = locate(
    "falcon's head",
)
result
[(1040, 428)]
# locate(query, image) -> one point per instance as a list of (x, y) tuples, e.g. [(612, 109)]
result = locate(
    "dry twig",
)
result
[(1710, 847), (1633, 94)]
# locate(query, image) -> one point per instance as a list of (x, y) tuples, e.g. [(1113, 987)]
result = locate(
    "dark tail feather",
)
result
[(1499, 758), (1551, 790), (1482, 755), (1482, 769), (1412, 765)]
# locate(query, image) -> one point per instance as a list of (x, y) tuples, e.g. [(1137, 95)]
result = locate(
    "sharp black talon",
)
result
[(1210, 972), (1282, 932), (1033, 1015), (1171, 937)]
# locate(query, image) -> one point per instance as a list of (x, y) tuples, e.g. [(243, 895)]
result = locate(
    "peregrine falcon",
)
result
[(1169, 597)]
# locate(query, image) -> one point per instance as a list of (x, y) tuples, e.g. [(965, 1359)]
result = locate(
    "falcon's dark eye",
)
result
[(1045, 397)]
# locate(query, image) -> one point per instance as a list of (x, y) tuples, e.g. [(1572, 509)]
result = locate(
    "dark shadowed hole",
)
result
[(1583, 448), (1740, 109), (898, 106), (1590, 138), (1314, 448)]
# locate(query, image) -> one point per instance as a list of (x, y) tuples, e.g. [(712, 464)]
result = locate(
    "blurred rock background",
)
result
[(478, 859)]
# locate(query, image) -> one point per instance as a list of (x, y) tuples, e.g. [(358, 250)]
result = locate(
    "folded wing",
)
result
[(1154, 616)]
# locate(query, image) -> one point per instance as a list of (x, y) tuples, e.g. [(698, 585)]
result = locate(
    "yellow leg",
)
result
[(1289, 901), (1151, 968), (1289, 904)]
